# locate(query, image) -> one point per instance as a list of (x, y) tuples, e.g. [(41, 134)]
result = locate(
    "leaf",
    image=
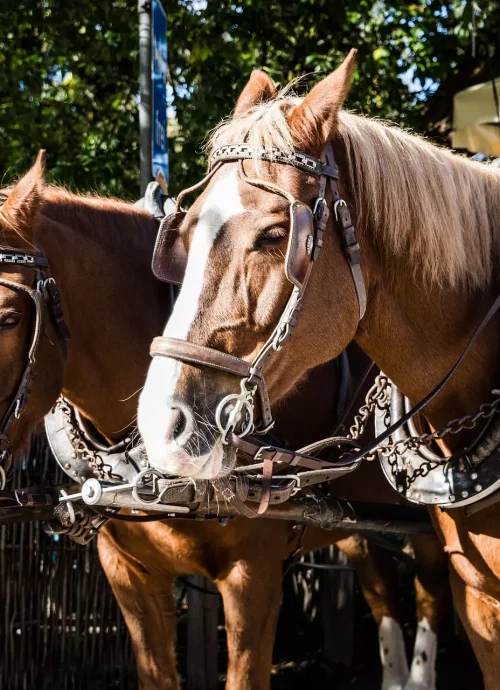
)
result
[(380, 53)]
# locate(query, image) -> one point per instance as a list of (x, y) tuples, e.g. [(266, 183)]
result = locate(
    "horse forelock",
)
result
[(262, 125), (436, 211)]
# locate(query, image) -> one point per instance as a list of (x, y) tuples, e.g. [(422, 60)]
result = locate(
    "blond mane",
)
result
[(437, 211)]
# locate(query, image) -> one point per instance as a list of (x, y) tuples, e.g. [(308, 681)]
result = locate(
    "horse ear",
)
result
[(260, 87), (18, 213), (314, 121)]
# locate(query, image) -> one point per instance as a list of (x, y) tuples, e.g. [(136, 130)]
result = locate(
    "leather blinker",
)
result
[(300, 243), (170, 256)]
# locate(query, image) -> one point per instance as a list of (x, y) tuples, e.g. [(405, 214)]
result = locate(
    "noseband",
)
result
[(304, 246), (44, 295)]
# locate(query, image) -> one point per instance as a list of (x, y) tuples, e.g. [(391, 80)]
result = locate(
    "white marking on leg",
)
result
[(222, 203), (423, 665), (392, 655)]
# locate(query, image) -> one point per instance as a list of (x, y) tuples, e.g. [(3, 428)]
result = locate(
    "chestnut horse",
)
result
[(428, 225), (99, 253)]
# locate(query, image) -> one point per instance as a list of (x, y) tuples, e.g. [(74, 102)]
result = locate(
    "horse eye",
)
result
[(10, 321), (271, 236)]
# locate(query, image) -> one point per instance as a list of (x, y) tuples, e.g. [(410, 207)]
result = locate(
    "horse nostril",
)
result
[(176, 423), (180, 423)]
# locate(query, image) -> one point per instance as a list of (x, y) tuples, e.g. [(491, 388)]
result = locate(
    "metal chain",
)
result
[(378, 397), (486, 411), (455, 426), (80, 447)]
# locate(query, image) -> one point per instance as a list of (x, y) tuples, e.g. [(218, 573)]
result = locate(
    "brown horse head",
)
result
[(19, 220), (235, 287)]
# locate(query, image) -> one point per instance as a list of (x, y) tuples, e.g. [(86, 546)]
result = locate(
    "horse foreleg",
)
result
[(147, 604), (431, 585), (378, 580), (480, 616), (251, 592)]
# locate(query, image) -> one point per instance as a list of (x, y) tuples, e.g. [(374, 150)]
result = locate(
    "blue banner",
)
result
[(159, 80)]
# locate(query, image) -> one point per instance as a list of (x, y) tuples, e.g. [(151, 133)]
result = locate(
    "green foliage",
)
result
[(68, 83), (212, 51), (68, 71)]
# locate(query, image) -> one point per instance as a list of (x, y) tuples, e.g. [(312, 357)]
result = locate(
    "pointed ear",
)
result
[(260, 87), (314, 121), (19, 212)]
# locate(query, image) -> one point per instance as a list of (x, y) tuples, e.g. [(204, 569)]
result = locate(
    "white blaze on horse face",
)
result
[(392, 655), (159, 394), (423, 666)]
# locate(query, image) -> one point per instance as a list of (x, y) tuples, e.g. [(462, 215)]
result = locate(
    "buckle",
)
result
[(340, 202), (259, 455), (295, 477), (266, 429), (320, 206)]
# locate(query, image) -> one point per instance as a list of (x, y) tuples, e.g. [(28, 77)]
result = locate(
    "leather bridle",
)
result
[(46, 300), (305, 242), (304, 246)]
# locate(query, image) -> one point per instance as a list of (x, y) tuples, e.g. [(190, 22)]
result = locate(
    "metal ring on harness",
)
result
[(242, 402)]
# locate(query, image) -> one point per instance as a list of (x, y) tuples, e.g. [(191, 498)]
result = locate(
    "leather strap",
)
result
[(293, 458), (267, 482), (20, 258), (298, 159), (348, 238), (184, 351), (225, 491)]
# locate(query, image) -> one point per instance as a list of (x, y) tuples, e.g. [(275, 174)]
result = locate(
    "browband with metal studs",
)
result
[(302, 161), (23, 258)]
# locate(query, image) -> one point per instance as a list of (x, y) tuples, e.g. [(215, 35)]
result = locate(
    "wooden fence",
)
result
[(60, 627)]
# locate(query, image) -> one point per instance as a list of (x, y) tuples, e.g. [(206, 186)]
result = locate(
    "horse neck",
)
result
[(416, 333), (113, 306)]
